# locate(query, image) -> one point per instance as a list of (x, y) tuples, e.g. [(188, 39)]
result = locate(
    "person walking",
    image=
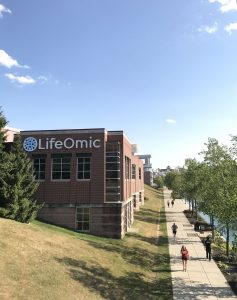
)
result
[(174, 229), (208, 247), (184, 256)]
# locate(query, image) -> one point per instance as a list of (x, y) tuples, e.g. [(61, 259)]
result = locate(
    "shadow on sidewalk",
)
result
[(200, 290)]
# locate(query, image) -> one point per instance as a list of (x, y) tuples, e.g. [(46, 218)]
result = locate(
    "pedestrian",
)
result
[(168, 203), (172, 202), (184, 256), (174, 228), (208, 247)]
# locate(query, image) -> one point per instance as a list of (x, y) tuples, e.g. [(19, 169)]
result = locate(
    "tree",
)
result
[(159, 181), (170, 179), (208, 193), (222, 175), (18, 186), (191, 182), (3, 154)]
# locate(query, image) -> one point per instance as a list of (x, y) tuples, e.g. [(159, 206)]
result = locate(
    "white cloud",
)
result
[(209, 29), (9, 62), (226, 5), (42, 79), (230, 27), (23, 80), (3, 9), (171, 121)]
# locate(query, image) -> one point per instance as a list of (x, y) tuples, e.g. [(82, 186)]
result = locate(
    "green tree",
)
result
[(3, 154), (191, 182), (159, 181), (169, 179), (222, 176), (19, 186), (208, 193)]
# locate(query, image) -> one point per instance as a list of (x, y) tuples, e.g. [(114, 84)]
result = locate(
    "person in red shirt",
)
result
[(185, 257)]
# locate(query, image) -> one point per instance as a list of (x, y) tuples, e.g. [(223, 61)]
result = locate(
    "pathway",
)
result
[(203, 279)]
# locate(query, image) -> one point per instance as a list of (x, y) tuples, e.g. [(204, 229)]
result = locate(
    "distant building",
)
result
[(163, 172), (147, 166), (9, 135)]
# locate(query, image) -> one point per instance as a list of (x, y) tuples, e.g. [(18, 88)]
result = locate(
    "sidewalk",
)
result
[(203, 279)]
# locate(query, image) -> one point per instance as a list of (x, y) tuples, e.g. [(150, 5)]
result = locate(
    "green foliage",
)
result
[(169, 179), (212, 184), (17, 185), (173, 181), (159, 181), (3, 154)]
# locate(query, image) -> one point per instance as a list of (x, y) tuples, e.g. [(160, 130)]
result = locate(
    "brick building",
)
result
[(90, 179)]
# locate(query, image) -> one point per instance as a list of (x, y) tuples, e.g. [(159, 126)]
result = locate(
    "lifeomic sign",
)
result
[(30, 143)]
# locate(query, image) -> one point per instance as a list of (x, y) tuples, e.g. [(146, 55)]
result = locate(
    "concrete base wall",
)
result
[(105, 220)]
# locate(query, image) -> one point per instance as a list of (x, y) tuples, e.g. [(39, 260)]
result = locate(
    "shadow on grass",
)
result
[(149, 240), (101, 281), (133, 255), (148, 215)]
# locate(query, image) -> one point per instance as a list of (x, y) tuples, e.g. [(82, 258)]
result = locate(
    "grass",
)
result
[(40, 261)]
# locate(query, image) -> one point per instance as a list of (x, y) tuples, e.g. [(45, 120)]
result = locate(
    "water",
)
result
[(216, 223)]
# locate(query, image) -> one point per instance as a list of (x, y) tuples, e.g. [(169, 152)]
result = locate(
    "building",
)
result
[(147, 167), (90, 180), (164, 172), (9, 136)]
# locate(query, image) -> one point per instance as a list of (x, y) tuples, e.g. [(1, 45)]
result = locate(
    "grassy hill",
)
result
[(40, 261)]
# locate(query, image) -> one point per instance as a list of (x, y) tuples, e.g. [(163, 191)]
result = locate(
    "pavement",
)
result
[(203, 279)]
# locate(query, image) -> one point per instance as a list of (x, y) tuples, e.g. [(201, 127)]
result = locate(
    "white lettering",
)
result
[(58, 144), (51, 142), (69, 143), (40, 144), (94, 143), (79, 144), (90, 142)]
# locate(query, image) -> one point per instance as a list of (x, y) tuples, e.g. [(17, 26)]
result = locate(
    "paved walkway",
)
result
[(203, 279)]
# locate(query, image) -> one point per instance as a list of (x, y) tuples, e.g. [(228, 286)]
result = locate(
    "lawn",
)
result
[(40, 261)]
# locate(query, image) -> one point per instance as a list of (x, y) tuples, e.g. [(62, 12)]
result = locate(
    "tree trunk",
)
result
[(212, 226), (192, 207), (227, 240), (196, 210)]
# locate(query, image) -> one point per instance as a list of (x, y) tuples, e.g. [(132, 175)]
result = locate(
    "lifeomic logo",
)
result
[(30, 144)]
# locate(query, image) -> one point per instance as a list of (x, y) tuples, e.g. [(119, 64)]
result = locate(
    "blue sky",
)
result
[(165, 72)]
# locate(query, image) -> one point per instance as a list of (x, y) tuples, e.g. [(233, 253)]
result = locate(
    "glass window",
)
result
[(127, 168), (83, 219), (61, 166), (83, 166), (39, 164), (133, 171), (113, 172), (140, 173)]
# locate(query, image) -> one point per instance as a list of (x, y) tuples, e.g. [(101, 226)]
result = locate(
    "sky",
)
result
[(163, 71)]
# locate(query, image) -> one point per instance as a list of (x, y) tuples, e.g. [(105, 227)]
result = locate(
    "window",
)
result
[(83, 166), (61, 164), (83, 219), (133, 171), (113, 172), (140, 173), (140, 197), (39, 163), (134, 201), (127, 168)]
